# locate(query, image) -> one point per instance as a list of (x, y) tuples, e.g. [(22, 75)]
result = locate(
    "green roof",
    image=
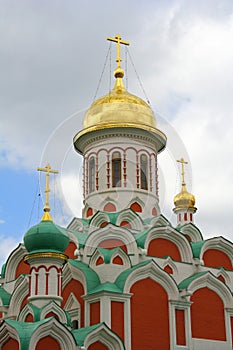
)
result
[(25, 330), (107, 254), (81, 237), (106, 287), (141, 237), (81, 333), (121, 279), (92, 279), (46, 236), (5, 297), (186, 282), (196, 248), (3, 270)]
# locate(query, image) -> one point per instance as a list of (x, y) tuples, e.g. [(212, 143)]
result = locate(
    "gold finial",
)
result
[(47, 169), (118, 40), (183, 162)]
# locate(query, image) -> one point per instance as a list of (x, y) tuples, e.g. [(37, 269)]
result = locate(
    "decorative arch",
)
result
[(160, 221), (154, 272), (110, 232), (136, 207), (217, 252), (97, 220), (15, 264), (210, 281), (54, 308), (75, 224), (192, 231), (19, 294), (223, 276), (104, 335), (27, 311), (119, 253), (8, 337), (130, 216), (76, 287), (144, 282), (169, 234), (73, 306), (54, 329), (110, 207)]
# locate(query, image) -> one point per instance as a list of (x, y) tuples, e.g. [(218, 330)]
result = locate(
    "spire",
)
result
[(184, 201), (48, 170), (183, 162), (119, 72)]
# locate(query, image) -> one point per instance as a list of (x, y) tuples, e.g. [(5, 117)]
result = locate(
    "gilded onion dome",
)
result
[(184, 199), (119, 109)]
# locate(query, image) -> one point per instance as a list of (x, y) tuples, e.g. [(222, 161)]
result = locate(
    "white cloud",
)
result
[(52, 59), (6, 247)]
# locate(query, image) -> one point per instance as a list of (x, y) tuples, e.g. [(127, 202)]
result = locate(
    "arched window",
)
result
[(116, 169), (144, 171), (91, 169)]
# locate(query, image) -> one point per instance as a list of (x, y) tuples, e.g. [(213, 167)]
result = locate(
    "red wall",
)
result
[(161, 247), (48, 343), (70, 250), (77, 289), (22, 268), (207, 315), (149, 316), (180, 327), (216, 258), (94, 313), (117, 318), (11, 344), (112, 243), (97, 346)]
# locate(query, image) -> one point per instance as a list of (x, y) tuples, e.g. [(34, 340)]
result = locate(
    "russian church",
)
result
[(122, 277)]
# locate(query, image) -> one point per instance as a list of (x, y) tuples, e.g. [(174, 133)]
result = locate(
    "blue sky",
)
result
[(51, 59)]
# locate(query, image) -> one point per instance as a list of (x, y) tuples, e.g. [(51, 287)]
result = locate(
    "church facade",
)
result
[(121, 277)]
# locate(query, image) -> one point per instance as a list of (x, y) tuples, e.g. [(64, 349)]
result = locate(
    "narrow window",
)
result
[(144, 171), (91, 174), (116, 169)]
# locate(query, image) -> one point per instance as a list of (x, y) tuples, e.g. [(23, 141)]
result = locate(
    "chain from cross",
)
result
[(48, 170), (183, 162), (118, 40)]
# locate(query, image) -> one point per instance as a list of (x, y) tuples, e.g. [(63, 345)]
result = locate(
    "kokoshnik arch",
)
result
[(121, 277)]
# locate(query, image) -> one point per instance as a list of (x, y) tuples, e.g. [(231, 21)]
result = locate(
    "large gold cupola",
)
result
[(119, 109), (120, 142)]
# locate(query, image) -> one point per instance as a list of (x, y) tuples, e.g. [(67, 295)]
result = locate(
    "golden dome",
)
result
[(184, 199), (119, 109)]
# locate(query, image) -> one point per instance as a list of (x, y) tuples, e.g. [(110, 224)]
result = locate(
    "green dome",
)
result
[(46, 237)]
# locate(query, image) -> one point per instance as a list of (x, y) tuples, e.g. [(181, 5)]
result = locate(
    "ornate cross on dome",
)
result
[(48, 170), (183, 162), (118, 40)]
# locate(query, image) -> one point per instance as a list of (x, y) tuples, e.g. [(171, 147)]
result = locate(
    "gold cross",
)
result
[(118, 40), (183, 162), (48, 170)]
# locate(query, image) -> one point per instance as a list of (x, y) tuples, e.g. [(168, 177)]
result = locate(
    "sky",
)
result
[(55, 59)]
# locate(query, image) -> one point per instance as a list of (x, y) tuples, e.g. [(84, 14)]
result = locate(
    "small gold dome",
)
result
[(184, 200)]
